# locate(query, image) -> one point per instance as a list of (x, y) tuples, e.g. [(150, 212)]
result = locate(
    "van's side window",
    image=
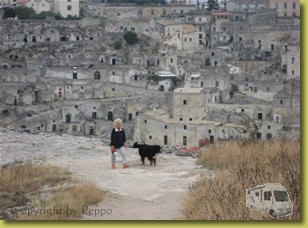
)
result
[(267, 195)]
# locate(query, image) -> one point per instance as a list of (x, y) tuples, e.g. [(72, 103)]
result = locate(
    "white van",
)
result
[(271, 198)]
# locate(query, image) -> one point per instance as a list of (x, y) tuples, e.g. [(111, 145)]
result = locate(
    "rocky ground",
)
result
[(141, 192)]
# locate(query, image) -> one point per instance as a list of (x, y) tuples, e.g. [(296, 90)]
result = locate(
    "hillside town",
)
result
[(198, 72)]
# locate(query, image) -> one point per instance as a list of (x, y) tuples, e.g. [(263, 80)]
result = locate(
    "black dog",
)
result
[(148, 151)]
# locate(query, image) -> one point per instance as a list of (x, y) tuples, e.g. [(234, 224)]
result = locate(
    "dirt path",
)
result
[(141, 192)]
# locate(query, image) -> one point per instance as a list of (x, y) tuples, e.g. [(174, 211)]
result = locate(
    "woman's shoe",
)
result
[(125, 166)]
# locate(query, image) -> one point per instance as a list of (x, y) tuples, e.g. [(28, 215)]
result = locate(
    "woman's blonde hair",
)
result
[(117, 121)]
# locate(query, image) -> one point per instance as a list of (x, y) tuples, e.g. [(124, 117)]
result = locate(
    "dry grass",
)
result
[(244, 165), (21, 185), (68, 203)]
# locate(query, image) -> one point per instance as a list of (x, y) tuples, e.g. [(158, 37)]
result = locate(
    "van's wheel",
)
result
[(272, 213)]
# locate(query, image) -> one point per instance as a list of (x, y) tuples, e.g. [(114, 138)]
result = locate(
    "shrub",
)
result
[(243, 165), (117, 44), (131, 37)]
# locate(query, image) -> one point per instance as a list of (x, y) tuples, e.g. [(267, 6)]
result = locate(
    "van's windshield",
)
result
[(281, 196)]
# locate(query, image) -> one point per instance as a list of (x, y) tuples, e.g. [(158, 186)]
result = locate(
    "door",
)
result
[(91, 131), (110, 116), (211, 139), (165, 140), (184, 141), (68, 118)]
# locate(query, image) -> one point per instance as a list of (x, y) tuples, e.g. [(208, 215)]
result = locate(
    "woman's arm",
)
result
[(112, 139)]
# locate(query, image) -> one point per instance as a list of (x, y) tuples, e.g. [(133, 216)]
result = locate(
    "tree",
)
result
[(9, 13), (117, 44), (207, 62), (234, 88), (131, 37), (250, 126), (24, 12), (212, 5)]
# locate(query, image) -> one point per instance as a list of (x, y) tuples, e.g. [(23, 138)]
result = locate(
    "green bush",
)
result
[(131, 37), (9, 13), (24, 13), (117, 44)]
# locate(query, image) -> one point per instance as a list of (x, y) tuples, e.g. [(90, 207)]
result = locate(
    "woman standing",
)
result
[(118, 140)]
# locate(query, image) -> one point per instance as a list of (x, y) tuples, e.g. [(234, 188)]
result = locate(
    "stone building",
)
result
[(285, 8), (38, 5), (67, 8)]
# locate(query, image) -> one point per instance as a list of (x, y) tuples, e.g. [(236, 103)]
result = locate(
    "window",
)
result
[(200, 19), (267, 195), (68, 118), (242, 110), (216, 83), (213, 53), (166, 127), (210, 131), (260, 116), (113, 89), (152, 12), (97, 75), (184, 102), (150, 137), (69, 7), (69, 0), (185, 127), (281, 102), (294, 5), (93, 115), (259, 135), (293, 72), (268, 89), (293, 60), (257, 193), (171, 60), (285, 5), (181, 119), (145, 121), (190, 119)]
